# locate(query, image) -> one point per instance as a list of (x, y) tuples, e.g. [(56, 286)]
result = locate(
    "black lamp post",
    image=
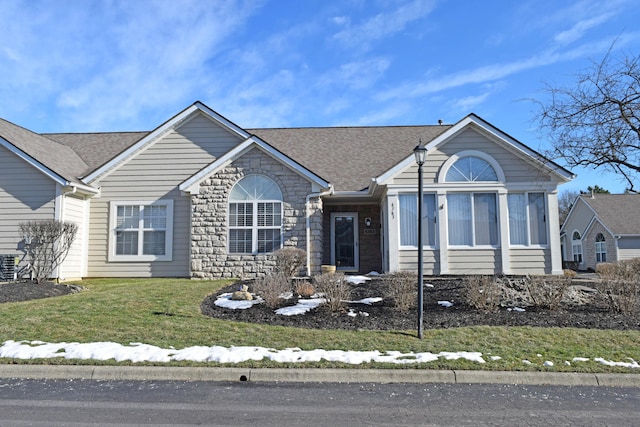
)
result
[(421, 154)]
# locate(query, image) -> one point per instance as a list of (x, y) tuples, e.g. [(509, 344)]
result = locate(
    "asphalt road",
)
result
[(178, 403)]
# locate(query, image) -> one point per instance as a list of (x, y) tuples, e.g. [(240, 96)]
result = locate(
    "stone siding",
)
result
[(209, 254), (589, 246)]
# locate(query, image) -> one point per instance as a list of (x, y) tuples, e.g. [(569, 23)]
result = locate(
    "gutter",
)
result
[(327, 192)]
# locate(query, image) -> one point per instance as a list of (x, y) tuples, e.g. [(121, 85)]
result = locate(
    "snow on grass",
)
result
[(140, 352)]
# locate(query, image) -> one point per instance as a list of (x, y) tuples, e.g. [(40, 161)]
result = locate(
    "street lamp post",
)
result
[(421, 153)]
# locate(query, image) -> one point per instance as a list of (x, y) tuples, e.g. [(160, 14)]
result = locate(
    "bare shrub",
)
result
[(621, 296), (625, 270), (289, 261), (569, 273), (547, 292), (47, 243), (482, 293), (336, 290), (304, 289), (271, 288), (402, 289)]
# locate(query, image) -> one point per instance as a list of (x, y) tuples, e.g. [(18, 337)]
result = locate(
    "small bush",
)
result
[(289, 261), (621, 296), (304, 289), (547, 292), (271, 288), (626, 270), (482, 293), (569, 273), (402, 289), (336, 290)]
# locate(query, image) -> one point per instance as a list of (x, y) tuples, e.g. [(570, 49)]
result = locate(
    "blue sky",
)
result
[(86, 66)]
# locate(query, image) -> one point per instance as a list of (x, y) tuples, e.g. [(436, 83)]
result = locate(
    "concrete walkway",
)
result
[(160, 373)]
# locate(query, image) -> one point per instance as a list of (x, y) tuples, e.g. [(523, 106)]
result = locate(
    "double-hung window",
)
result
[(255, 216), (527, 219), (576, 246), (409, 219), (141, 231)]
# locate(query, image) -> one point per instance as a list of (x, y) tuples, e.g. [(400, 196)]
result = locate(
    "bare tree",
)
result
[(566, 199), (47, 243), (596, 122)]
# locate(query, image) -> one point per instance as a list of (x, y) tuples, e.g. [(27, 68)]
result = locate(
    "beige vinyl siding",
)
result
[(152, 175), (515, 169), (25, 193), (408, 261), (628, 247), (74, 211), (530, 261), (474, 261), (580, 218)]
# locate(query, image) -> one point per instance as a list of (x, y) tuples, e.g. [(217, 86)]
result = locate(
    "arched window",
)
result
[(255, 216), (576, 246), (471, 169), (601, 248)]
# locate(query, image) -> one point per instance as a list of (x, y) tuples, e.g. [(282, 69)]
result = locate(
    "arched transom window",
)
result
[(471, 169), (255, 216)]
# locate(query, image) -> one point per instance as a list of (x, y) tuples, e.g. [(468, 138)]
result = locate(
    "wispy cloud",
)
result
[(381, 25)]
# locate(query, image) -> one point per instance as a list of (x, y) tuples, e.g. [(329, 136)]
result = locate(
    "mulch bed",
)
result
[(382, 316), (24, 291)]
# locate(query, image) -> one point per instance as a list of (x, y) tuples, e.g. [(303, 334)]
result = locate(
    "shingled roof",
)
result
[(58, 158), (618, 212), (349, 157)]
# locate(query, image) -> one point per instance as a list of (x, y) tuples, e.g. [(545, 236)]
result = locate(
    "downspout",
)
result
[(308, 222)]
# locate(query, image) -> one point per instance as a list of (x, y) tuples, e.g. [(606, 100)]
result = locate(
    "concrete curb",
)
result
[(424, 376)]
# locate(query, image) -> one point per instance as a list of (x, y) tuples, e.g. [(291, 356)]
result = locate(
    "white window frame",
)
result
[(601, 248), (426, 217), (168, 243), (527, 207), (576, 244), (255, 227), (474, 245)]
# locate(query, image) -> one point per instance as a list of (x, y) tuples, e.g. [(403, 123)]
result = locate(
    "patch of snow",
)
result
[(567, 363), (526, 362), (494, 358), (632, 364), (367, 301), (428, 285), (357, 280), (225, 301), (445, 303), (303, 306), (373, 273), (548, 363), (580, 359), (352, 313), (520, 309), (138, 352)]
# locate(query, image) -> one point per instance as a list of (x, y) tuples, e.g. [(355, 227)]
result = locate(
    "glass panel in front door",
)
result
[(345, 250)]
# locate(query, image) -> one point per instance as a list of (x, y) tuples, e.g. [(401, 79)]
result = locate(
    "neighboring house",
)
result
[(201, 197), (601, 228)]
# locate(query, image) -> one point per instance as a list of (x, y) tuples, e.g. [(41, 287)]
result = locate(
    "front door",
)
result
[(344, 241)]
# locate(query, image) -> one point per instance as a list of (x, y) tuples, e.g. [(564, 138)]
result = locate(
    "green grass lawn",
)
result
[(166, 313)]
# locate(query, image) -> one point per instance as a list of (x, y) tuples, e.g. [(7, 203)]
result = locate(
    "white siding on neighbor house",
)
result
[(530, 261), (515, 169), (75, 210), (25, 193), (152, 175), (628, 247), (474, 261)]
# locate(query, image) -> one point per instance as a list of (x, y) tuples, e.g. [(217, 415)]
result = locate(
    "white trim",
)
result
[(471, 153), (489, 130), (113, 215), (160, 131), (192, 184)]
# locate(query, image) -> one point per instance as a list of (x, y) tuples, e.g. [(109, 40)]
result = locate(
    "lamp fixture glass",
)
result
[(421, 153)]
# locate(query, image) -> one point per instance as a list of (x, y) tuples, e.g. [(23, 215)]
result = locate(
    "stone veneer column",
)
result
[(209, 257)]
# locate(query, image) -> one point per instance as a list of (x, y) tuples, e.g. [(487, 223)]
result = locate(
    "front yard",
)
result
[(167, 313)]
